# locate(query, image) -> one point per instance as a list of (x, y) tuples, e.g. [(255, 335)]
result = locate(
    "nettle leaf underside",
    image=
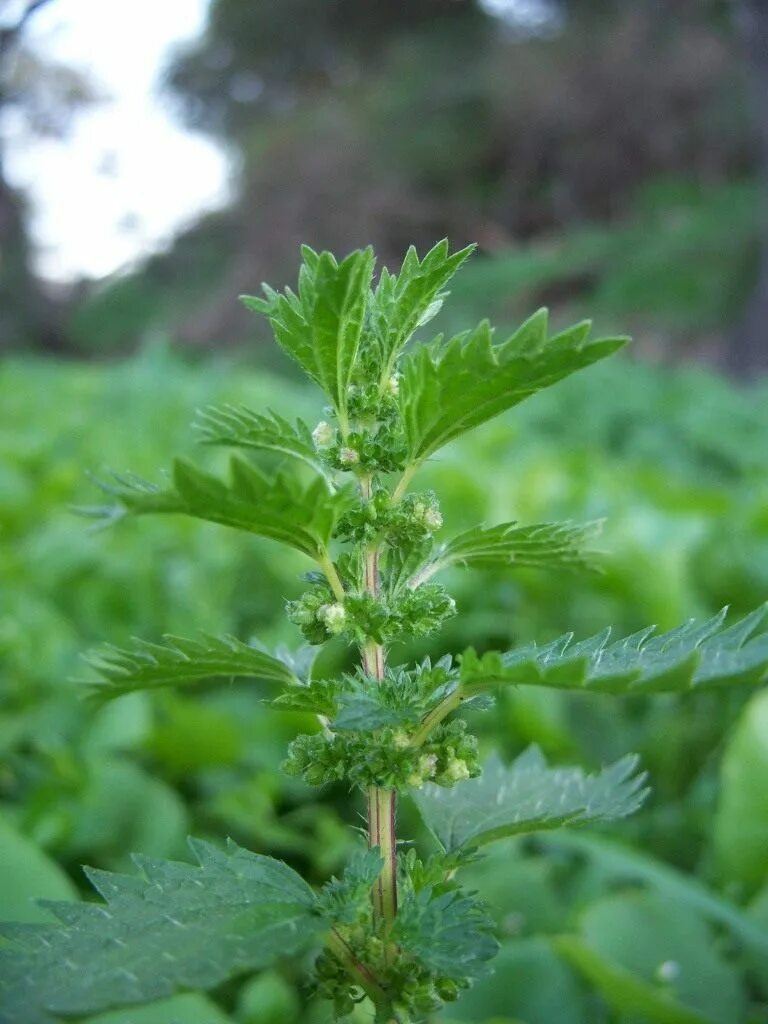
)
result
[(450, 388), (528, 796), (539, 546), (175, 927), (452, 932), (240, 427), (282, 508), (695, 656), (178, 661)]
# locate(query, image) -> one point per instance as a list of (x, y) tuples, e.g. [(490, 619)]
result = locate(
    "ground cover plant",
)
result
[(395, 930)]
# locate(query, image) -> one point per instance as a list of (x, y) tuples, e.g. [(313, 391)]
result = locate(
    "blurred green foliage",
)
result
[(676, 461)]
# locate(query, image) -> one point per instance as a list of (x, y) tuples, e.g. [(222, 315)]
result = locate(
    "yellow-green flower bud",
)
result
[(456, 770), (333, 616), (348, 457), (323, 435)]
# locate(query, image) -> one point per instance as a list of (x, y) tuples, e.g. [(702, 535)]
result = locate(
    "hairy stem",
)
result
[(404, 482), (448, 704), (334, 582), (362, 974), (382, 803)]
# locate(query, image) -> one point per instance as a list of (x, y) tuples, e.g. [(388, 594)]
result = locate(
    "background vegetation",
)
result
[(607, 162)]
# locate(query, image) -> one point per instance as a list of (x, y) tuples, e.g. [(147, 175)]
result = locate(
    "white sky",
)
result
[(127, 176)]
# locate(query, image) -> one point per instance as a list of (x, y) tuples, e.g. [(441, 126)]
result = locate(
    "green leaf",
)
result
[(178, 661), (239, 427), (190, 1008), (450, 933), (281, 508), (694, 656), (530, 984), (622, 989), (361, 711), (622, 865), (26, 875), (528, 796), (403, 302), (540, 546), (655, 959), (177, 926), (448, 389), (320, 328), (345, 900), (740, 828)]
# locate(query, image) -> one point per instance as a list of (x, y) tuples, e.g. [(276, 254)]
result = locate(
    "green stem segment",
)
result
[(382, 803), (362, 974)]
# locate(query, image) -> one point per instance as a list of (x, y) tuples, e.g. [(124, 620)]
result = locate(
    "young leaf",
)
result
[(178, 661), (320, 328), (695, 656), (450, 933), (528, 796), (175, 927), (403, 302), (281, 508), (239, 427), (448, 389), (541, 546), (344, 900)]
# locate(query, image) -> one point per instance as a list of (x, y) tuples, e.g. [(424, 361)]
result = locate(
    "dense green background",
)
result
[(608, 165), (675, 460)]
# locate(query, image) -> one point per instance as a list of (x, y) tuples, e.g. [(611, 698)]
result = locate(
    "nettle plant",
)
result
[(396, 929)]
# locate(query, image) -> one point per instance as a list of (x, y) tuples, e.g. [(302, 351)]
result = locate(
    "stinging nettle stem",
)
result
[(382, 803)]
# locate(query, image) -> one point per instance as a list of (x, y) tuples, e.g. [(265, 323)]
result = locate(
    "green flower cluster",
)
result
[(362, 616), (409, 521), (420, 991), (385, 758), (377, 449)]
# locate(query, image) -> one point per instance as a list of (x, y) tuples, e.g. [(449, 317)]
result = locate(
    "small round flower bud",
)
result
[(428, 765), (400, 739), (393, 385), (456, 770), (432, 519), (669, 970), (323, 434), (348, 457), (334, 616)]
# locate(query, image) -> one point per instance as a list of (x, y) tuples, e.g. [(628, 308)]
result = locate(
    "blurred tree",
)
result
[(263, 57), (43, 96), (748, 351)]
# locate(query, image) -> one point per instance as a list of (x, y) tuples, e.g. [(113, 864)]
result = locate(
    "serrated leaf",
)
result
[(403, 302), (343, 900), (321, 326), (450, 933), (528, 796), (366, 712), (179, 661), (281, 508), (698, 655), (450, 388), (240, 427), (540, 546), (176, 926)]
